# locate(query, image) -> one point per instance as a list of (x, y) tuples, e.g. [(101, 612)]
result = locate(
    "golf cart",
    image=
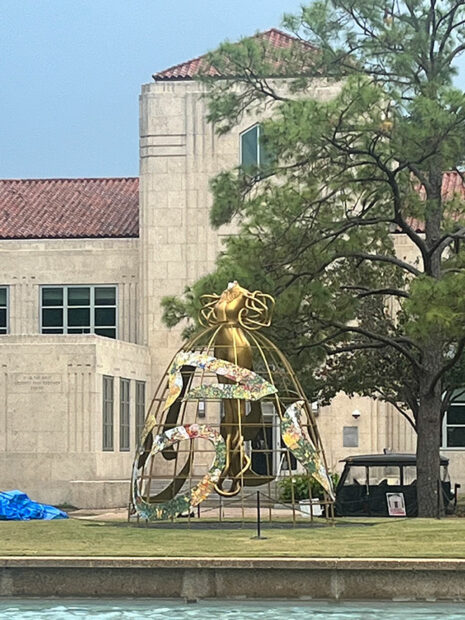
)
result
[(382, 485)]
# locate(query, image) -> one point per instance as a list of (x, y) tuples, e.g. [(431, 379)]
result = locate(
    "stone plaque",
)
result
[(36, 382), (350, 436)]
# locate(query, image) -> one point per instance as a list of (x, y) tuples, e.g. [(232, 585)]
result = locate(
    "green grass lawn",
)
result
[(403, 538)]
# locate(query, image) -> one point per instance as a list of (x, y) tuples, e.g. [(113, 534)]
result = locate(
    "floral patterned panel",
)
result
[(181, 503), (250, 386), (302, 446)]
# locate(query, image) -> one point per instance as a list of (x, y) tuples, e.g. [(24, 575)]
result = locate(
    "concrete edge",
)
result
[(236, 578), (279, 563)]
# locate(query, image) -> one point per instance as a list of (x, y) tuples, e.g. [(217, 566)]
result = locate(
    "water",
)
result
[(53, 609)]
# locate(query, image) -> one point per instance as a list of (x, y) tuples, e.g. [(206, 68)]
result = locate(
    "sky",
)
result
[(71, 72)]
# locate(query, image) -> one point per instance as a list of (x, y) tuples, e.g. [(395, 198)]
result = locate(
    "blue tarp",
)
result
[(16, 506)]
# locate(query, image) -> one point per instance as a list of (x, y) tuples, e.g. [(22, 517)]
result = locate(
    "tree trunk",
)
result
[(429, 444), (429, 413)]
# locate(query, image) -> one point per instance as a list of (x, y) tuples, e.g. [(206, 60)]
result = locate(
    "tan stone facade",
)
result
[(179, 154), (51, 385), (26, 265)]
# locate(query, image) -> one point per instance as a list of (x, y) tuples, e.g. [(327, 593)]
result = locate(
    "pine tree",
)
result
[(344, 176)]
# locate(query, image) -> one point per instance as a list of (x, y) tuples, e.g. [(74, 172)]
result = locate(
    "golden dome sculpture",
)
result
[(228, 414)]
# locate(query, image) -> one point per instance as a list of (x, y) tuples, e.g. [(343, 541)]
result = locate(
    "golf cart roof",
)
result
[(386, 459)]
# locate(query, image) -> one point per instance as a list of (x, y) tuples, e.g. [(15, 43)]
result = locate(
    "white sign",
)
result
[(396, 504)]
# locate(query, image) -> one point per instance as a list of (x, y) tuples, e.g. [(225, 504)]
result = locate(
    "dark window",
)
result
[(78, 296), (3, 310), (253, 151), (52, 296), (454, 426), (105, 296), (249, 148), (78, 310), (124, 436), (456, 437), (456, 414), (350, 436), (108, 332), (105, 316), (107, 443), (52, 317), (79, 317), (140, 409)]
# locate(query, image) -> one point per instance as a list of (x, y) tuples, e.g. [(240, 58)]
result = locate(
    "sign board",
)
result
[(396, 504)]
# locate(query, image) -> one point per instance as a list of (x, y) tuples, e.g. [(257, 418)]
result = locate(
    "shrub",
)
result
[(302, 483)]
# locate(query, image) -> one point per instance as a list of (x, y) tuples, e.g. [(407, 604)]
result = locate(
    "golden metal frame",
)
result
[(179, 468)]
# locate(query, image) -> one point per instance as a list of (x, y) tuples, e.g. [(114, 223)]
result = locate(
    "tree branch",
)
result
[(365, 292), (402, 413), (385, 259), (378, 337), (450, 364)]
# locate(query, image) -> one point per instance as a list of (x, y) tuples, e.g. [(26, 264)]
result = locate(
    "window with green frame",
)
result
[(253, 152), (453, 429), (3, 309), (78, 310)]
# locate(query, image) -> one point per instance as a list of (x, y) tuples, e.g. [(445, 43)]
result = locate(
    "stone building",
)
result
[(70, 354), (84, 264)]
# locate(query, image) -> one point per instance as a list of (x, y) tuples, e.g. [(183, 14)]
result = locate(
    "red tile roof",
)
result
[(96, 208), (277, 39), (452, 185), (69, 208)]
